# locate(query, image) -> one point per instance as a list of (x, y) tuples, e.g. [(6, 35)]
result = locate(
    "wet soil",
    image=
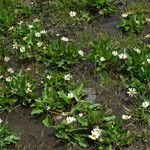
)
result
[(34, 136)]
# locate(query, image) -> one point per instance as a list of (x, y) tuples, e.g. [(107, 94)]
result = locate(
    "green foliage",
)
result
[(99, 6), (137, 63), (88, 9), (131, 22), (61, 54), (54, 98), (21, 87), (130, 62), (27, 39), (7, 137), (101, 53), (78, 117), (78, 130), (10, 10)]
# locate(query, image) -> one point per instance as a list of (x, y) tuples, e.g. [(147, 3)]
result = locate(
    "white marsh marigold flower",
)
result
[(95, 133), (131, 92), (126, 117), (67, 77), (81, 53), (145, 104), (72, 14), (65, 39), (70, 95), (70, 119)]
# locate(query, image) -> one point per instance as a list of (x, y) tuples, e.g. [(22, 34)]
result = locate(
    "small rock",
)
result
[(90, 94)]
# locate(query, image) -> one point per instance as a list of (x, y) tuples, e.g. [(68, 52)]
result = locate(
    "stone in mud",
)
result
[(90, 94)]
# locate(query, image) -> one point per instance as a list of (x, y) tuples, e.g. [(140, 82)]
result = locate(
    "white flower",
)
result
[(148, 60), (25, 38), (114, 53), (67, 77), (15, 45), (94, 135), (147, 19), (39, 44), (70, 95), (72, 14), (70, 119), (125, 15), (10, 70), (11, 28), (97, 129), (137, 50), (48, 77), (1, 121), (30, 26), (1, 76), (48, 108), (28, 90), (147, 36), (36, 20), (102, 59), (8, 79), (38, 34), (137, 21), (28, 69), (6, 59), (145, 104), (43, 32), (65, 39), (57, 34), (21, 22), (131, 92), (122, 56), (22, 49), (29, 85), (81, 115), (126, 117), (81, 53)]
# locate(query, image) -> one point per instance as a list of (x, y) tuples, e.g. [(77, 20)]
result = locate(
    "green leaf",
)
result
[(63, 96), (80, 140), (110, 118), (46, 122), (83, 121), (77, 92), (36, 111)]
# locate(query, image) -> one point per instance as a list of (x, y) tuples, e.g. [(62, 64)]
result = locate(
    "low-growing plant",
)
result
[(7, 136), (88, 9), (54, 99), (21, 86), (141, 103), (80, 121), (99, 6), (130, 62), (61, 54), (27, 38), (10, 10), (101, 53), (137, 62), (132, 22), (6, 101), (86, 124)]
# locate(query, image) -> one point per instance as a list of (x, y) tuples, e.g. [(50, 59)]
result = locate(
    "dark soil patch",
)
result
[(34, 136)]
